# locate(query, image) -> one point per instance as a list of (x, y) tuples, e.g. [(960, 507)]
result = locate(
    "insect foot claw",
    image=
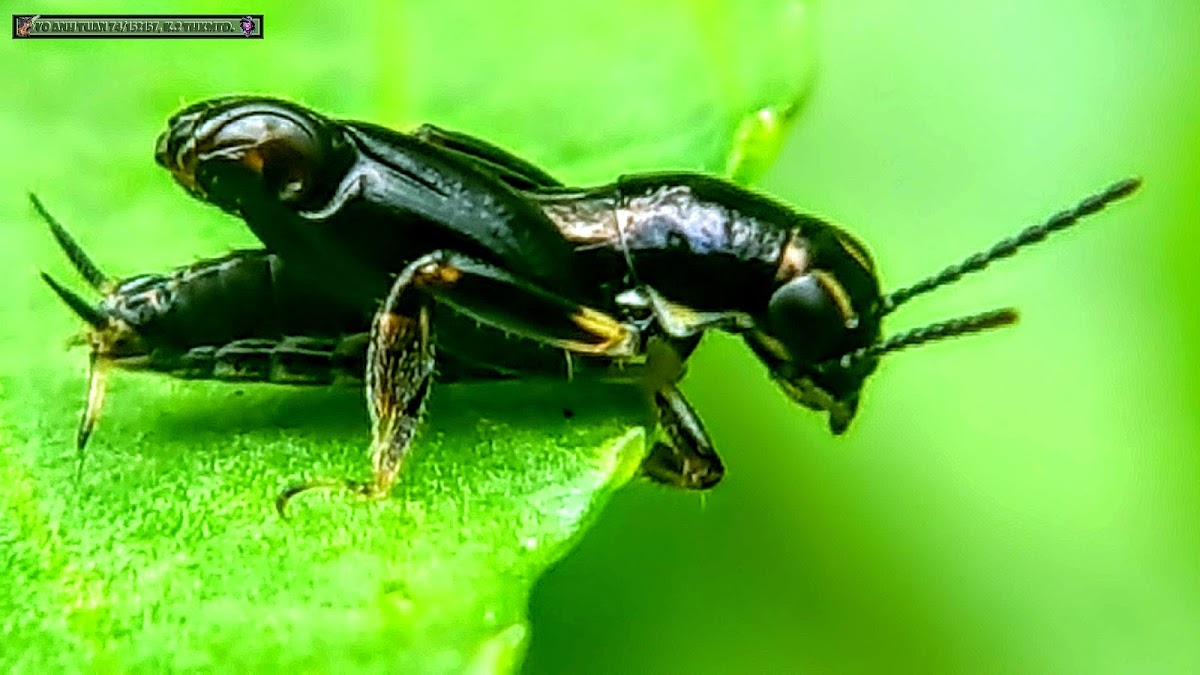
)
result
[(364, 491), (669, 466), (367, 492)]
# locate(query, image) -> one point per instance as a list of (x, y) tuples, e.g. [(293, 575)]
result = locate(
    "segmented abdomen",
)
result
[(246, 294), (248, 317), (290, 360)]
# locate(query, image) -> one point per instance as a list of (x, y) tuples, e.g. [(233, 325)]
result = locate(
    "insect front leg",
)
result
[(682, 455), (686, 457), (680, 321)]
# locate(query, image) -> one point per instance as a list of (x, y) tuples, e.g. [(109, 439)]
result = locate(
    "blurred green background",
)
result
[(1026, 501)]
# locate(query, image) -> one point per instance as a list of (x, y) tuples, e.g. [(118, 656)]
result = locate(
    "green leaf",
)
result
[(167, 554), (599, 88)]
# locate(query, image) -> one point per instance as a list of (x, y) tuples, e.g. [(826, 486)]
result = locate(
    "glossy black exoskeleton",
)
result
[(430, 228)]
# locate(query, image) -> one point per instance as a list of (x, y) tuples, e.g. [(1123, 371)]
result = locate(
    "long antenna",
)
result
[(1009, 246), (934, 332)]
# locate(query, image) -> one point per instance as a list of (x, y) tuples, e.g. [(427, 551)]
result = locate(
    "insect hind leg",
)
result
[(399, 375), (400, 354), (497, 298)]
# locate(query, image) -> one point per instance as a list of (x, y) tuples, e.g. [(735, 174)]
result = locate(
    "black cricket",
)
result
[(388, 253)]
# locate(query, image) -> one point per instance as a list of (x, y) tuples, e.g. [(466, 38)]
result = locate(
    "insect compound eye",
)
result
[(807, 315), (284, 151)]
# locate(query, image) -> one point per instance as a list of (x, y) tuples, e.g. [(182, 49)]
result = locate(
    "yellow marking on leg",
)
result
[(439, 274), (617, 339)]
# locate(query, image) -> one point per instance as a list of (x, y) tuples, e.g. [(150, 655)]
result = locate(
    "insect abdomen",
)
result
[(291, 360), (253, 292)]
